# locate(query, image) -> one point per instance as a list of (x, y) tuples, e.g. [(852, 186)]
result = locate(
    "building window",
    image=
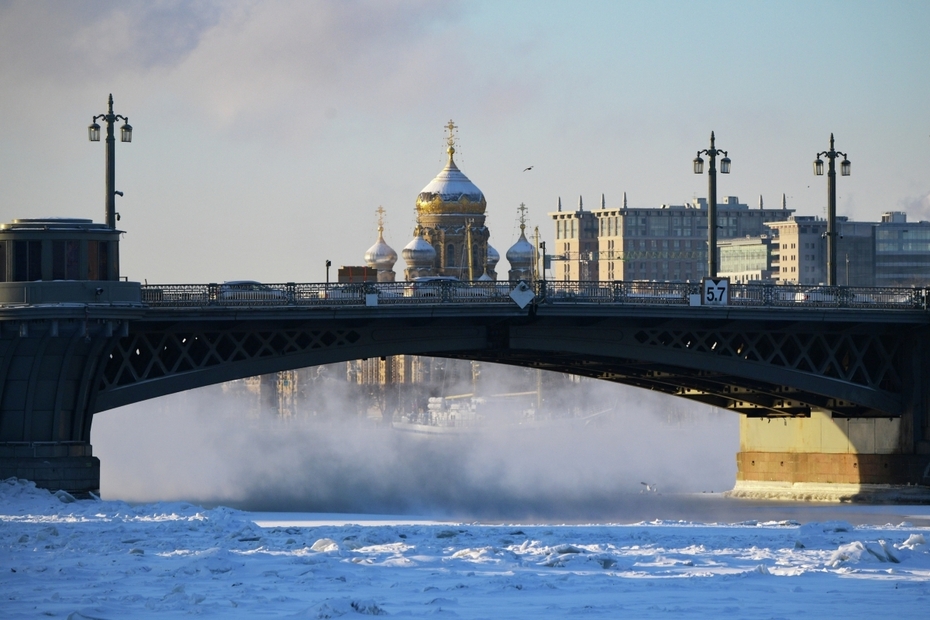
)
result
[(65, 260), (450, 255), (27, 261), (96, 260)]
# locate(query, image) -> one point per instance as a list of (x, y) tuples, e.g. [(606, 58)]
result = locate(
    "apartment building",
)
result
[(801, 244), (902, 251), (663, 243)]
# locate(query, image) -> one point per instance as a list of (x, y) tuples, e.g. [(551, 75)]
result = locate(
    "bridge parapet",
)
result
[(776, 352), (69, 291), (249, 294)]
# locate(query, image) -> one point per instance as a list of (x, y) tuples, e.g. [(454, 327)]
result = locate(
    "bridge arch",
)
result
[(758, 368), (60, 366)]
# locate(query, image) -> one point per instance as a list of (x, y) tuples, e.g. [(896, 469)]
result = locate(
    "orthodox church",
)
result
[(450, 238)]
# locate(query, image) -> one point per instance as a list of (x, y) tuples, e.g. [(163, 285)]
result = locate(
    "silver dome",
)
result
[(521, 254), (494, 257), (381, 256), (419, 253)]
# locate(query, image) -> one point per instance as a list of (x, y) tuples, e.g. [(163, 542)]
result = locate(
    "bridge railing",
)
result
[(794, 295), (320, 294), (249, 294), (635, 292)]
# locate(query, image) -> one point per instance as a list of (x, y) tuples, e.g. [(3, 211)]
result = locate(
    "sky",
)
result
[(266, 134)]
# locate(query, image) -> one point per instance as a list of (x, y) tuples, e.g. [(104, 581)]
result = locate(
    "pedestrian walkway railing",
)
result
[(255, 294)]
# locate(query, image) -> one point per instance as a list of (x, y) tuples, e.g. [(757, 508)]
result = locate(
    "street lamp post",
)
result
[(712, 153), (831, 203), (93, 133)]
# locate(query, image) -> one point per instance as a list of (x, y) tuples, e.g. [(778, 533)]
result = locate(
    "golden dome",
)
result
[(451, 191)]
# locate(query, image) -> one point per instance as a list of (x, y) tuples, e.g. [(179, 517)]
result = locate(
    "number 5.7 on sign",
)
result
[(716, 291)]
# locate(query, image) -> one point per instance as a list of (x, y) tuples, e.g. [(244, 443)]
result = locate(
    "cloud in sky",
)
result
[(272, 70), (71, 43), (267, 133)]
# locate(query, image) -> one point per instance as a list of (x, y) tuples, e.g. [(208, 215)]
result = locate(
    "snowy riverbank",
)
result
[(108, 559)]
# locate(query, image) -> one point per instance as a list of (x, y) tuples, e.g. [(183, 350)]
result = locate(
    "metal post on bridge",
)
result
[(712, 153), (831, 233), (93, 133)]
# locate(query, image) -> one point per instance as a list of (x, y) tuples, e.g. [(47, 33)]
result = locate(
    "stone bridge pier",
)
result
[(47, 379), (831, 457)]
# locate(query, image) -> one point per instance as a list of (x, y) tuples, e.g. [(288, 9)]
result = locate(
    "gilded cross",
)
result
[(380, 211), (522, 210), (450, 139)]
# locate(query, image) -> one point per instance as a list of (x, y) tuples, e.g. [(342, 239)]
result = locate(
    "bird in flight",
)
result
[(530, 168)]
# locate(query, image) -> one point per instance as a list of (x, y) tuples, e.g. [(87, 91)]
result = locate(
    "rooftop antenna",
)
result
[(784, 202), (624, 200), (580, 204), (760, 201), (603, 202), (560, 203)]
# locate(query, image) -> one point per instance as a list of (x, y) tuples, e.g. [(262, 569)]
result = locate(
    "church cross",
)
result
[(450, 139)]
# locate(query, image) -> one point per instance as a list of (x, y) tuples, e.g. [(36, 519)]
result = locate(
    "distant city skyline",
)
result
[(267, 134)]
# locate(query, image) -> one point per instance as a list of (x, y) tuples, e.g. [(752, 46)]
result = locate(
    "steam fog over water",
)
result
[(213, 447)]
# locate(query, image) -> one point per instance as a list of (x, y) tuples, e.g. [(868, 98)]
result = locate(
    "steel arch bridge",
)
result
[(753, 365), (773, 352)]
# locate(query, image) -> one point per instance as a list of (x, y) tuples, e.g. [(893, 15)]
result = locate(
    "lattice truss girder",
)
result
[(151, 355), (724, 391), (869, 360), (858, 357)]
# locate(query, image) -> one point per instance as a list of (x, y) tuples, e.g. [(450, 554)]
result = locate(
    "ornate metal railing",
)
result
[(246, 294)]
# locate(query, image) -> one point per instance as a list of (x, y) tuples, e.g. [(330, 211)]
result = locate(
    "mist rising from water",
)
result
[(209, 447)]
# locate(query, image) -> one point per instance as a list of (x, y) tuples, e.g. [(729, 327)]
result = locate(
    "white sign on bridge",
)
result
[(716, 291)]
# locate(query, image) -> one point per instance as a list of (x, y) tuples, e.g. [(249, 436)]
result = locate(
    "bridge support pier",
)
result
[(66, 466), (823, 458), (47, 384)]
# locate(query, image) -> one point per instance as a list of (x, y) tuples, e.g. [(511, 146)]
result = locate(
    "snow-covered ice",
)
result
[(109, 559)]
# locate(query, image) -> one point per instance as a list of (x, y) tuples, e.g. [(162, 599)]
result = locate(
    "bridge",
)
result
[(842, 371)]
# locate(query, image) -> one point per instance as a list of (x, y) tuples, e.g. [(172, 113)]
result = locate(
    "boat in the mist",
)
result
[(468, 414)]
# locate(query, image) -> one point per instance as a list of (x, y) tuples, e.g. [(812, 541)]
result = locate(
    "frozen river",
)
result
[(109, 559), (500, 523)]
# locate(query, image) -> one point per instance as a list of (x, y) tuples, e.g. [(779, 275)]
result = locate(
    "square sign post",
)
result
[(716, 291)]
